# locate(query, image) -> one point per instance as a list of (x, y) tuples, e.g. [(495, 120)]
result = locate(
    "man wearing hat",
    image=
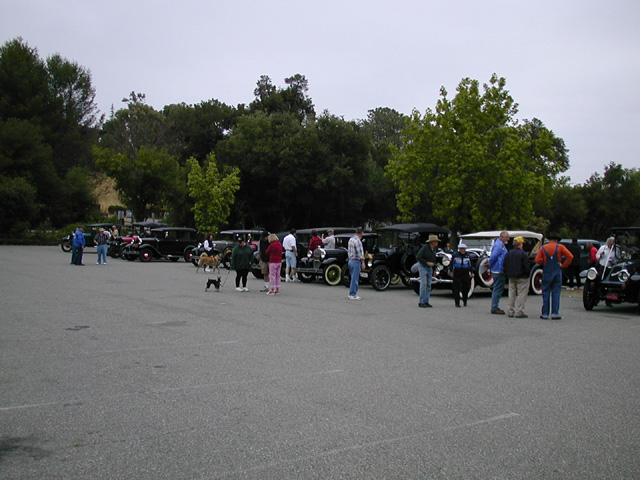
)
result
[(550, 256), (517, 268), (462, 272), (426, 258)]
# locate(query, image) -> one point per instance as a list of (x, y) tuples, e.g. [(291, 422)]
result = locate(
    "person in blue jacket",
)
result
[(496, 264), (77, 246)]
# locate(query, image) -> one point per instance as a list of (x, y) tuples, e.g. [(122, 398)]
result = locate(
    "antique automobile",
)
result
[(619, 282), (90, 231), (329, 264), (480, 244), (114, 246), (225, 241), (392, 253), (172, 243)]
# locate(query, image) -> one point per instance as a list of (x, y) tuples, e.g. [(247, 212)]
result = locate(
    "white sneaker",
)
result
[(238, 289), (245, 289), (97, 263), (354, 297)]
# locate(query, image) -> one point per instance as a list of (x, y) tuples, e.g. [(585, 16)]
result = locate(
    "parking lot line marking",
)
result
[(338, 451)]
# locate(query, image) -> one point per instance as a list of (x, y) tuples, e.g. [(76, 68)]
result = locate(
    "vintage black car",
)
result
[(90, 232), (619, 282), (172, 243), (224, 243), (392, 254), (114, 246)]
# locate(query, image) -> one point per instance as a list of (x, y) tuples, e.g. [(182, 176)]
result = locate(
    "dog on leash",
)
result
[(209, 261), (215, 283)]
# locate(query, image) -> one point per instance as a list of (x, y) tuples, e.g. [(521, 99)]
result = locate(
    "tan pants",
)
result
[(518, 291)]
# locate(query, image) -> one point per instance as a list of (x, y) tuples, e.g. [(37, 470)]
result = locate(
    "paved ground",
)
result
[(132, 371)]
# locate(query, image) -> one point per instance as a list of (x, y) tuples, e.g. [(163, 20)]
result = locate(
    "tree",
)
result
[(293, 99), (143, 181), (471, 164), (212, 193), (611, 200), (47, 126)]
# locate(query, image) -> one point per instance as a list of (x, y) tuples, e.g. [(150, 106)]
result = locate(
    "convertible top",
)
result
[(496, 233), (415, 228)]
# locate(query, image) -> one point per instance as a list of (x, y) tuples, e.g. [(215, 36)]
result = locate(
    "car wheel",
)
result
[(380, 277), (345, 276), (65, 245), (395, 279), (485, 279), (472, 287), (130, 257), (416, 286), (188, 253), (332, 275), (226, 259), (145, 255), (535, 282), (588, 298)]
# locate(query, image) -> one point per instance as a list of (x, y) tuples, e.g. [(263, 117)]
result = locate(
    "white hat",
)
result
[(462, 245)]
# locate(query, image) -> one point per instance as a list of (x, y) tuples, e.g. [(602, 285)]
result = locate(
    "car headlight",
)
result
[(592, 274), (370, 263), (623, 276), (446, 261)]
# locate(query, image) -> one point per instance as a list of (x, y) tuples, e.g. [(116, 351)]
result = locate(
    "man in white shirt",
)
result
[(290, 252), (329, 241)]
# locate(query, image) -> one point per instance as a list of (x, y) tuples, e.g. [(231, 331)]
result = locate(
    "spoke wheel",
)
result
[(332, 275), (588, 298), (380, 277)]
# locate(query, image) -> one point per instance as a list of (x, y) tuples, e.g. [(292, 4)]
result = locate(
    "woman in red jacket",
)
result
[(274, 251)]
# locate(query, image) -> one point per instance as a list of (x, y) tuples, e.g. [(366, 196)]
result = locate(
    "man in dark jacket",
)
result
[(427, 259), (516, 268)]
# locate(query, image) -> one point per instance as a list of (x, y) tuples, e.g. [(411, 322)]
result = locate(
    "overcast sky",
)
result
[(575, 65)]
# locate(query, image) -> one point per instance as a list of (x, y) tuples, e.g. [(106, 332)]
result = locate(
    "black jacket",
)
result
[(517, 264), (426, 254)]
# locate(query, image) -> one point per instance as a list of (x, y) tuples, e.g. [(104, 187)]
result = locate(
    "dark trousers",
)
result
[(461, 286), (573, 272), (76, 255), (242, 275)]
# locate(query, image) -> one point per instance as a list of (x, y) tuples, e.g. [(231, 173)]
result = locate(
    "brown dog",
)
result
[(207, 261)]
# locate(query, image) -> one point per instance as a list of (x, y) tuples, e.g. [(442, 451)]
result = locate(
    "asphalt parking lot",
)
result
[(133, 371)]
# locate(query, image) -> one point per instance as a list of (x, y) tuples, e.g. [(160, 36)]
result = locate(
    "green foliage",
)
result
[(143, 181), (47, 126), (471, 164), (213, 193)]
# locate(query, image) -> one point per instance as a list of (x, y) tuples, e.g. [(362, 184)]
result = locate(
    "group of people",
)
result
[(100, 240), (515, 267)]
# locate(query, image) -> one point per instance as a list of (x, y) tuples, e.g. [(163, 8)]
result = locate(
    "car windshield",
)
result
[(629, 243)]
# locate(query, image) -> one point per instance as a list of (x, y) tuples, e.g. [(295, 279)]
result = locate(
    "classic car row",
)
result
[(390, 256)]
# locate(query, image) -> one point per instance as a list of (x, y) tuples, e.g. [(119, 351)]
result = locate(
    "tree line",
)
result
[(468, 163)]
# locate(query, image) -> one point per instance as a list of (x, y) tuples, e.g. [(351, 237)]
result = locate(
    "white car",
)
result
[(481, 243)]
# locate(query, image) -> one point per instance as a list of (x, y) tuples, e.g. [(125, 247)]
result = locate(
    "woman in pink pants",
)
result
[(274, 251)]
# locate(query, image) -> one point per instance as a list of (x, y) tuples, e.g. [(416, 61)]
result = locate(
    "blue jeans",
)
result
[(354, 269), (426, 273), (551, 291), (498, 288), (102, 253)]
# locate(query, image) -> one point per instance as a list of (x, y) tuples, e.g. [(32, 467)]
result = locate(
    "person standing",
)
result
[(462, 273), (77, 246), (100, 241), (274, 252), (263, 259), (114, 232), (573, 270), (315, 241), (427, 259), (496, 264), (517, 269), (329, 241), (290, 251), (607, 254), (592, 251), (550, 256), (356, 262), (241, 257)]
